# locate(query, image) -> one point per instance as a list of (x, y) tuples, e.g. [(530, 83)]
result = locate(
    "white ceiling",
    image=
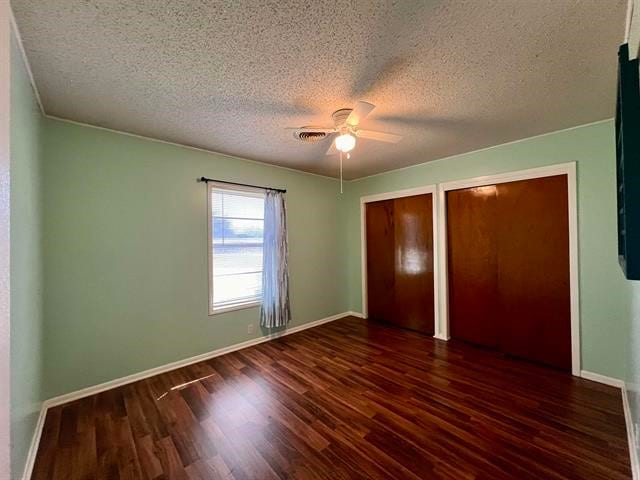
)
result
[(229, 76)]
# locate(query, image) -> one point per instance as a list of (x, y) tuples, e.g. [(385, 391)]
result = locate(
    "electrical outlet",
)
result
[(250, 328), (636, 430)]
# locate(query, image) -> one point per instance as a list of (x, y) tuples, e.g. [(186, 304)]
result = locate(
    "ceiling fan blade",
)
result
[(332, 150), (361, 110), (379, 136), (313, 129)]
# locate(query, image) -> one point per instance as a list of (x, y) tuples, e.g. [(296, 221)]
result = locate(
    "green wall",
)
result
[(126, 253), (125, 256), (633, 358), (26, 263), (603, 293), (633, 348)]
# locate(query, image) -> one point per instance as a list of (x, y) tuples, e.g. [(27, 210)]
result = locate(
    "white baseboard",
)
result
[(441, 337), (35, 441), (85, 392), (631, 436), (596, 377), (118, 382)]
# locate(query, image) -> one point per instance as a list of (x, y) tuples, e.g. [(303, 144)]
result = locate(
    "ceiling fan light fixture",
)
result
[(345, 142)]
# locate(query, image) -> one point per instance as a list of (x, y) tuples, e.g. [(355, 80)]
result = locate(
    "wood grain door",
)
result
[(413, 222), (473, 265), (533, 270), (381, 277), (508, 268), (400, 262)]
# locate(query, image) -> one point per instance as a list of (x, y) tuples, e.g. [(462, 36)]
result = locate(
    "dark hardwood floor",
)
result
[(345, 400)]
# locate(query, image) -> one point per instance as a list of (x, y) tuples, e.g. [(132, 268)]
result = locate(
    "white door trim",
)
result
[(410, 192), (568, 169)]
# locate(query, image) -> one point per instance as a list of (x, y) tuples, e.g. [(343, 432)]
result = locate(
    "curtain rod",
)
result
[(207, 180)]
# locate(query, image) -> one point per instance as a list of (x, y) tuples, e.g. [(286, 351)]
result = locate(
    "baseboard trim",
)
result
[(596, 377), (85, 392), (441, 337), (35, 442), (631, 439), (633, 448), (118, 382)]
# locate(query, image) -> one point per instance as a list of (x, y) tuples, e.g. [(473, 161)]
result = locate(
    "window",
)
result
[(236, 223)]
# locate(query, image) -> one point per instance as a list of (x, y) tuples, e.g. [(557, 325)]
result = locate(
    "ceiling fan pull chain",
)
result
[(340, 172)]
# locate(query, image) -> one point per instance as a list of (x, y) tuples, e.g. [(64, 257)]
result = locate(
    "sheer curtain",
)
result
[(275, 311)]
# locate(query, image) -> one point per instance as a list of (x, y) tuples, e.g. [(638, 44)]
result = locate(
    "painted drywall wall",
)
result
[(634, 29), (602, 290), (5, 163), (26, 262), (633, 360), (633, 348), (126, 253)]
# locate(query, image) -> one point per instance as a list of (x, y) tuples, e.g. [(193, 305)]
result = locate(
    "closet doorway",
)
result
[(519, 295), (398, 258), (509, 264)]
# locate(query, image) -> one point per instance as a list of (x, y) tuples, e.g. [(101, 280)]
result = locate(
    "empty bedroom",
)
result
[(319, 240)]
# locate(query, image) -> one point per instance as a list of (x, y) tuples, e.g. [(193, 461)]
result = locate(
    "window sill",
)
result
[(231, 308)]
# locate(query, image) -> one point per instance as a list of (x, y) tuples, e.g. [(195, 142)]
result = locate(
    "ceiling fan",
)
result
[(346, 130)]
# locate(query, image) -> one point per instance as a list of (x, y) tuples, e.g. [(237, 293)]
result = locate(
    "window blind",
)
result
[(237, 225)]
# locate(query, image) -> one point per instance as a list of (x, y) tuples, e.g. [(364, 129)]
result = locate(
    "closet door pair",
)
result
[(399, 236), (508, 268)]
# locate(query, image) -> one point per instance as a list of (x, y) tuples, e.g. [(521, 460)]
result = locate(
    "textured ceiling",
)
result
[(451, 76)]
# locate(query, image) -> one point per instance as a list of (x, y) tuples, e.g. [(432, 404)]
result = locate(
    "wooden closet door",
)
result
[(533, 270), (413, 222), (472, 265), (399, 240), (380, 236)]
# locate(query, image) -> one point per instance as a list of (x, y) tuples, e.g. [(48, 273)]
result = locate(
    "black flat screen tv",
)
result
[(628, 164)]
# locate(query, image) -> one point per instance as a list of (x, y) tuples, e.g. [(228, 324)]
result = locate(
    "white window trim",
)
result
[(231, 308), (211, 186)]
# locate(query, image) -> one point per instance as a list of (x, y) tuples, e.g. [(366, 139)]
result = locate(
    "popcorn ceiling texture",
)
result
[(230, 76)]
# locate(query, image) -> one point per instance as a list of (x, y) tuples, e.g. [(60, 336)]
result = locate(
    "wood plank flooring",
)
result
[(346, 400)]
